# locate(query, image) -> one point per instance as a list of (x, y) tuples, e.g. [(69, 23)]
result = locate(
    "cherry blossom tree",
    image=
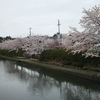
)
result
[(89, 39), (91, 20), (80, 41), (33, 45), (10, 45)]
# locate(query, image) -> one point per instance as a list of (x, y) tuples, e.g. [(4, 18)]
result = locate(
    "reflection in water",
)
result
[(41, 86)]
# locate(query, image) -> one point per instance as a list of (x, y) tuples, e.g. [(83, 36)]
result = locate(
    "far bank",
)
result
[(91, 75)]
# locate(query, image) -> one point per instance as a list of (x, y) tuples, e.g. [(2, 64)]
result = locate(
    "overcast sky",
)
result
[(17, 16)]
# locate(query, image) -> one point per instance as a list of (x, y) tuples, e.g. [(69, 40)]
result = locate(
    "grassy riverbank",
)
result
[(91, 75)]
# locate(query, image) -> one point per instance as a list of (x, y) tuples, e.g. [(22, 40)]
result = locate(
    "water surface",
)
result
[(18, 82)]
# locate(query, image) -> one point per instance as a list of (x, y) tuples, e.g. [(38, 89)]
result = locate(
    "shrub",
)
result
[(68, 58), (78, 64), (11, 53)]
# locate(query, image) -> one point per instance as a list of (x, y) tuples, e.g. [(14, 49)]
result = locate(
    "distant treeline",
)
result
[(5, 38)]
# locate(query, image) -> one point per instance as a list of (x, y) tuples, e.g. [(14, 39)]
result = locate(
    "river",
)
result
[(27, 82)]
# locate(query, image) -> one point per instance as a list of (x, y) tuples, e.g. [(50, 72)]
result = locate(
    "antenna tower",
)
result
[(30, 30), (58, 26)]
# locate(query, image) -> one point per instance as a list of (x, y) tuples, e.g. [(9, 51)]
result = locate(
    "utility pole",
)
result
[(30, 30), (59, 35), (59, 26)]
